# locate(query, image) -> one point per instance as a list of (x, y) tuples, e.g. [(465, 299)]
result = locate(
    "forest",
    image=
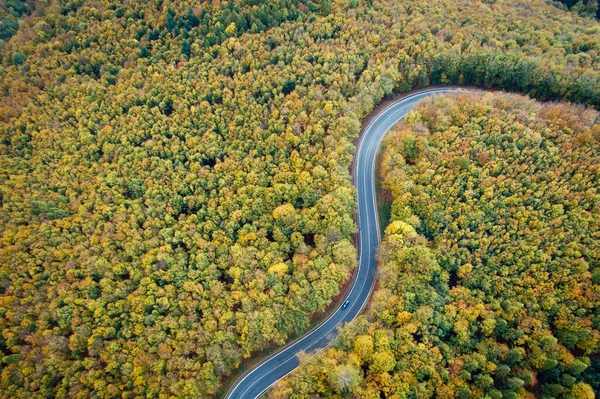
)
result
[(583, 7), (490, 265), (175, 191)]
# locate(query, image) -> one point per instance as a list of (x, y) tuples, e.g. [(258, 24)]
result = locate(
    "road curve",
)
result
[(255, 382)]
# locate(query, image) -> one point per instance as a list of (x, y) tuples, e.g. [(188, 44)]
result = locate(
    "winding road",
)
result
[(256, 381)]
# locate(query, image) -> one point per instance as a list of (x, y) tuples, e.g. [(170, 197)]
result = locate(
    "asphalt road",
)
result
[(254, 383)]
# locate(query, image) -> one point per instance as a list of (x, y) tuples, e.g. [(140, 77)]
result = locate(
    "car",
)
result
[(345, 304)]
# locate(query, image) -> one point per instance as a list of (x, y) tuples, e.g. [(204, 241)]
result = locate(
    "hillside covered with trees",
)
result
[(490, 266), (583, 7), (174, 185)]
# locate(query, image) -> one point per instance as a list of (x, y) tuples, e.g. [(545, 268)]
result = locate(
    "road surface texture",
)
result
[(256, 381)]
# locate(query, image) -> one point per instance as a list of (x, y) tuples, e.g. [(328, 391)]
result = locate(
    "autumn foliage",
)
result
[(174, 176), (490, 266)]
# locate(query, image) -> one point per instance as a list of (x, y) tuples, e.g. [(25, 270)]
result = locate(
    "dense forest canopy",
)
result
[(12, 13), (174, 186), (583, 7), (490, 266)]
